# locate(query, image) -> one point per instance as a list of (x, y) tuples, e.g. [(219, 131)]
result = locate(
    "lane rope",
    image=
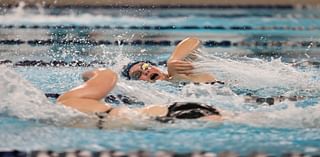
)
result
[(169, 27), (167, 6), (207, 43), (60, 63), (77, 63), (139, 153)]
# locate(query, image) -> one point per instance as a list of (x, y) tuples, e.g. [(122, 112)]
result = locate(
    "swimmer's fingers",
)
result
[(186, 72), (183, 67), (181, 64), (180, 67)]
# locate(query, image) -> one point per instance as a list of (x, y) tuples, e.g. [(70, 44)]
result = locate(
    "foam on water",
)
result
[(19, 98), (256, 73), (271, 76), (247, 73), (289, 117)]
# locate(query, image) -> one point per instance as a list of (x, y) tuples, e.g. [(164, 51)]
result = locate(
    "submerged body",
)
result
[(86, 98)]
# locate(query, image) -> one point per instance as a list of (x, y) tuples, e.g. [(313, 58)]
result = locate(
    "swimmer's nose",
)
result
[(146, 72)]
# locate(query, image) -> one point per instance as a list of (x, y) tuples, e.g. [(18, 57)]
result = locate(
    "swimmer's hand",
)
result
[(179, 67)]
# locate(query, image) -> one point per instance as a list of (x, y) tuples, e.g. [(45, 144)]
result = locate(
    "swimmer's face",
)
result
[(147, 72)]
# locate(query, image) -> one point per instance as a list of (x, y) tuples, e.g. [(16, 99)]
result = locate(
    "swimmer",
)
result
[(179, 64), (86, 98)]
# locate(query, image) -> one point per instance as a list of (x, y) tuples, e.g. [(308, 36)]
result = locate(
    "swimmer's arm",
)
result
[(86, 97), (185, 48), (176, 63), (179, 69)]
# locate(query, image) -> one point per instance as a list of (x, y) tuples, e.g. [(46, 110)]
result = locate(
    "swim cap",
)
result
[(126, 68), (191, 110)]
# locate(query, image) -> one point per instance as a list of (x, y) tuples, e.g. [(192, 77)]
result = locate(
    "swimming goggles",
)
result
[(137, 74)]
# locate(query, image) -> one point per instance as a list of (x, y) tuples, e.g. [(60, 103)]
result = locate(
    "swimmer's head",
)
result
[(143, 70)]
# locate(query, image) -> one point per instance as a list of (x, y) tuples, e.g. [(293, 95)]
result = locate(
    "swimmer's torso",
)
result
[(176, 111), (150, 111)]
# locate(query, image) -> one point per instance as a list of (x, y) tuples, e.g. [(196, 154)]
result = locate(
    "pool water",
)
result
[(263, 52)]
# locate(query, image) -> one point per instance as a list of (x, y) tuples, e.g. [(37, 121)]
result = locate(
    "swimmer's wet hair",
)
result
[(126, 68)]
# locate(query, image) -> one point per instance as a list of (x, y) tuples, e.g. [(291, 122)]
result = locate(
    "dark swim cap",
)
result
[(126, 68)]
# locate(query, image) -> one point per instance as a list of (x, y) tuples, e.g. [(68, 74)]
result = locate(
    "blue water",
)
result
[(223, 137), (263, 71)]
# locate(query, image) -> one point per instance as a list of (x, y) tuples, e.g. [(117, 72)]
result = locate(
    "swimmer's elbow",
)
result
[(100, 84), (108, 74), (103, 78), (103, 72)]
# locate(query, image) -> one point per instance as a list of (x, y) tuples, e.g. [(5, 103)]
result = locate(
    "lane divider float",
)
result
[(207, 43)]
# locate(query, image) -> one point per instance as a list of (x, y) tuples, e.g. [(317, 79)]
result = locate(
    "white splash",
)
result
[(255, 73), (19, 98), (290, 117), (144, 92)]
